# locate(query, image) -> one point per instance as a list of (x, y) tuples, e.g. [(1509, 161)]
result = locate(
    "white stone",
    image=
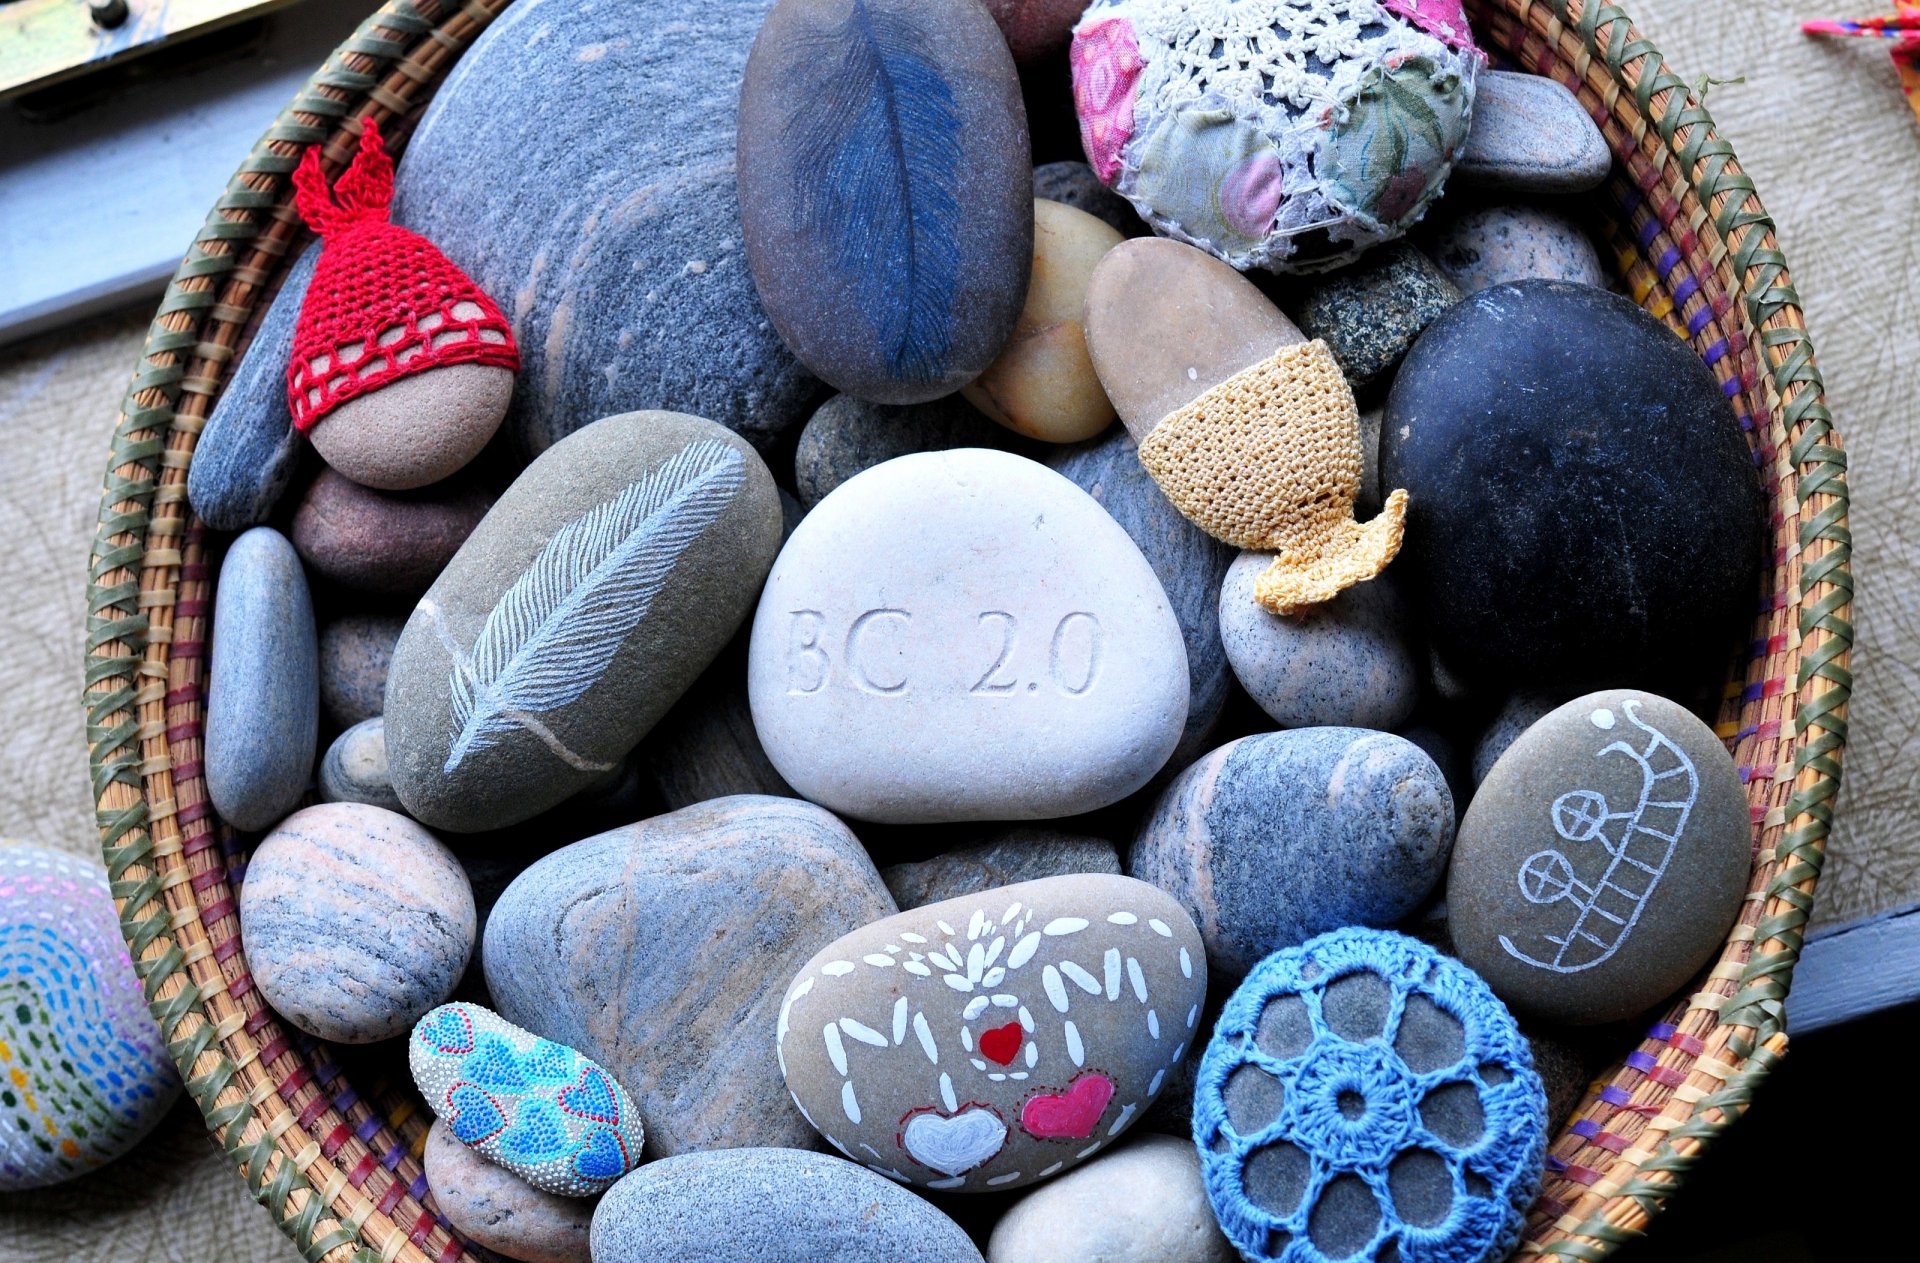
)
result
[(1344, 664), (1141, 1204), (965, 635)]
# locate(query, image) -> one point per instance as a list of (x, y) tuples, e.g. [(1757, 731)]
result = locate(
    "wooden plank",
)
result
[(45, 41), (1852, 970), (97, 208)]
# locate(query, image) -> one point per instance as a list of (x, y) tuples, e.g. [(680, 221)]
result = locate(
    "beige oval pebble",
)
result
[(1043, 384), (418, 429), (1145, 1203), (1166, 323), (493, 1207)]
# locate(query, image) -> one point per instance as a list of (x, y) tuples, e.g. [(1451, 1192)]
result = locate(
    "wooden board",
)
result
[(45, 41)]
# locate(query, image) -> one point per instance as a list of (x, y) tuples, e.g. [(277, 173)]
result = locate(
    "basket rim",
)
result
[(148, 580)]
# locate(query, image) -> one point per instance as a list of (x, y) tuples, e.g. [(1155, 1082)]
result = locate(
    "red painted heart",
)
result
[(1068, 1115), (1002, 1043)]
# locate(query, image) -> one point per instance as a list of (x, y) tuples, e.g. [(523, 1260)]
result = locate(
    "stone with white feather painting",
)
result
[(995, 1040), (596, 591)]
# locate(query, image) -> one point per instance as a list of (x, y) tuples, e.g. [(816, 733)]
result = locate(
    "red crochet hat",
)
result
[(384, 302)]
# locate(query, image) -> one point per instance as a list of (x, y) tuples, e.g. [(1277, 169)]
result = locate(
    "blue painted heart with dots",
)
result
[(536, 1107)]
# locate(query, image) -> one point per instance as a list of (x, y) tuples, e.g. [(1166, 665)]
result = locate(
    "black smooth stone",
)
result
[(1585, 509)]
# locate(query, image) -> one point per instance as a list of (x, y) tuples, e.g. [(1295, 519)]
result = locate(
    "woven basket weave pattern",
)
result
[(339, 1168)]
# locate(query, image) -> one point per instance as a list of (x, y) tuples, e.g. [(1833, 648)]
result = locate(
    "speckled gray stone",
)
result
[(1530, 135), (699, 524), (249, 453), (706, 746), (1517, 714), (1446, 754), (357, 921), (1344, 663), (1274, 838), (354, 768), (1189, 563), (660, 948), (1367, 502), (263, 689), (1371, 312), (1603, 860), (1009, 854), (1486, 245), (1143, 1203), (848, 435), (356, 652), (495, 1208), (625, 280), (770, 1206), (1075, 184)]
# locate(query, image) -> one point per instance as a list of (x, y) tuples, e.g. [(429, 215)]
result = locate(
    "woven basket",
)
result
[(338, 1166)]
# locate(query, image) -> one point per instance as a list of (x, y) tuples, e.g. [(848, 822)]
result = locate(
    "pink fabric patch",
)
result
[(1106, 73), (1250, 196), (1441, 19)]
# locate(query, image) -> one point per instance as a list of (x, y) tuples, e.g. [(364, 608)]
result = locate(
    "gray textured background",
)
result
[(1819, 124)]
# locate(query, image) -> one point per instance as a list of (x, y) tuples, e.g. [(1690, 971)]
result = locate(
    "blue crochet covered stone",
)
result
[(1365, 1097)]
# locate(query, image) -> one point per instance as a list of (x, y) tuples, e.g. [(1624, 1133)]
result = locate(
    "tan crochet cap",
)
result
[(1270, 459)]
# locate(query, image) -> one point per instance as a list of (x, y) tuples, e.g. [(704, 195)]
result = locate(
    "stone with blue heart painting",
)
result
[(540, 1109)]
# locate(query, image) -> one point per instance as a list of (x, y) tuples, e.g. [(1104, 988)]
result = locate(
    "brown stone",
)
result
[(417, 429), (1167, 322), (493, 1207), (384, 541)]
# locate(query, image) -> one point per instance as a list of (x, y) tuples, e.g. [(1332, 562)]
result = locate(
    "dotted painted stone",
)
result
[(543, 1111), (1365, 1097), (1273, 133), (994, 1040), (83, 1071)]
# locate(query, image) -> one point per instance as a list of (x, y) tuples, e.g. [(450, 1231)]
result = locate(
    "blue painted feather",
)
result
[(880, 145)]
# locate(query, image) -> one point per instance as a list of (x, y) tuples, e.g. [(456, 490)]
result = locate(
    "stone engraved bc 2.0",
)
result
[(1004, 656), (1618, 856)]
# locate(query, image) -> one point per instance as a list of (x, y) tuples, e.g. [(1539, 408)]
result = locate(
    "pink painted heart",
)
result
[(1002, 1043), (1068, 1115)]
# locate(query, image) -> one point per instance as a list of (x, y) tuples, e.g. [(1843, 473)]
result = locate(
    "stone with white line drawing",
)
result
[(991, 1041), (597, 589), (1602, 860)]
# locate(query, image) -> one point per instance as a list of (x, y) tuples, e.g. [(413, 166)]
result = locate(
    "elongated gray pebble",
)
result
[(357, 921), (263, 691)]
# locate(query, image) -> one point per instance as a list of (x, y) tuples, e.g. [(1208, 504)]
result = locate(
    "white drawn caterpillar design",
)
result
[(1637, 846)]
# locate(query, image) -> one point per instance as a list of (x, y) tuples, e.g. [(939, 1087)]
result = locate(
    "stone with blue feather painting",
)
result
[(540, 1109), (885, 193), (600, 586)]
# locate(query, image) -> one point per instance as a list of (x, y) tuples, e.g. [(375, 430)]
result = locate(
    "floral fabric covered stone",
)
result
[(1364, 1096), (543, 1111), (1279, 134)]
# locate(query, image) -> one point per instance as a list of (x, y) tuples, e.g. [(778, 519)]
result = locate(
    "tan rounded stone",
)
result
[(1166, 323), (417, 429), (493, 1207), (1043, 384)]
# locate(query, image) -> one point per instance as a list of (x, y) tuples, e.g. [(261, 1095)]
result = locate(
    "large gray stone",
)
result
[(1531, 135), (578, 163), (1009, 854), (596, 591), (770, 1206), (249, 453), (1189, 563), (1603, 860), (263, 689), (662, 950), (1277, 837), (848, 435)]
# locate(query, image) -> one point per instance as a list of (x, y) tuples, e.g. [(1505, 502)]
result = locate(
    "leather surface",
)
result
[(1821, 127)]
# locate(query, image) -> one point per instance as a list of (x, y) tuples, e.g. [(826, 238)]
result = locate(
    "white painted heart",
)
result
[(953, 1145)]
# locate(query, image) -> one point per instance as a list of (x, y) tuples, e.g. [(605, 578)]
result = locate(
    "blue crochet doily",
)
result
[(1319, 1104)]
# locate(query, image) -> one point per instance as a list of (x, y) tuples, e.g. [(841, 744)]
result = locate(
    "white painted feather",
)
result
[(554, 632)]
